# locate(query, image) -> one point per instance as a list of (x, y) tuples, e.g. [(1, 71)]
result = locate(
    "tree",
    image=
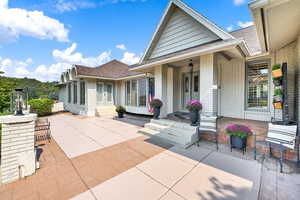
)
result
[(6, 88)]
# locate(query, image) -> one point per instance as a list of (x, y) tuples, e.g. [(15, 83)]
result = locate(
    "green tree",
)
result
[(6, 88)]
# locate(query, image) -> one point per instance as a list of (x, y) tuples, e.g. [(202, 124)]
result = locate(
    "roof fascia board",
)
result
[(111, 79), (201, 19), (221, 47)]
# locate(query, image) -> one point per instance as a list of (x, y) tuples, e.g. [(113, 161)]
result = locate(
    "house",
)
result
[(190, 57)]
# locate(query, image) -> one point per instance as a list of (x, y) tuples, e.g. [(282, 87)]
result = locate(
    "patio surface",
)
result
[(101, 158)]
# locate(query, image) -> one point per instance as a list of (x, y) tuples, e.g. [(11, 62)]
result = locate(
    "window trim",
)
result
[(256, 109)]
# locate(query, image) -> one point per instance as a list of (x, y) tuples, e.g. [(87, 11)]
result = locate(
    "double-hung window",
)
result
[(136, 92), (75, 92), (257, 85)]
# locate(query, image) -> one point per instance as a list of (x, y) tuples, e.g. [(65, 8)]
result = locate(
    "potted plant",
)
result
[(120, 110), (238, 135), (156, 104), (277, 99), (277, 81), (194, 107), (276, 71)]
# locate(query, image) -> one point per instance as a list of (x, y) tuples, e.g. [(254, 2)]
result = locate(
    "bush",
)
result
[(120, 109), (238, 130), (194, 105), (42, 107), (275, 67), (156, 103)]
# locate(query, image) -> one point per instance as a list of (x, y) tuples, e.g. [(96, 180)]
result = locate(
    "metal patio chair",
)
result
[(208, 125), (42, 130), (281, 138)]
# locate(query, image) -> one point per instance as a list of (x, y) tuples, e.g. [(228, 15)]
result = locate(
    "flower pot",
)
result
[(194, 117), (277, 105), (277, 98), (120, 114), (156, 112), (277, 73), (277, 81), (238, 142)]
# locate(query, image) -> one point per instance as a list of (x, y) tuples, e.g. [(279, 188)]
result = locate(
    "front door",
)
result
[(190, 87), (104, 93)]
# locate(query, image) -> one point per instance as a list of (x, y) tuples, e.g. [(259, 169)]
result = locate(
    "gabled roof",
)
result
[(249, 35), (111, 70), (195, 15)]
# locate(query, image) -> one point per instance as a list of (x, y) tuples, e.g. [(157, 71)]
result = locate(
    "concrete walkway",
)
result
[(77, 135)]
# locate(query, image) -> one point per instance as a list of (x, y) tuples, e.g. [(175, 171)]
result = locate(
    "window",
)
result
[(69, 93), (196, 83), (134, 93), (82, 92), (186, 84), (100, 92), (127, 93), (142, 92), (257, 85), (75, 92)]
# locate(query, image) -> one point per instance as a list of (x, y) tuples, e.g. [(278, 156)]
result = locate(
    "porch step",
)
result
[(174, 132)]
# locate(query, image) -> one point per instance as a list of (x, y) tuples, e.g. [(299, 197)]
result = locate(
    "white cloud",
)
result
[(72, 5), (69, 56), (121, 46), (229, 28), (16, 22), (130, 58), (245, 24), (29, 60), (238, 2)]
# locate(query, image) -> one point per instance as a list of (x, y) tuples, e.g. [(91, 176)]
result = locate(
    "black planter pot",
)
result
[(238, 143), (156, 112), (120, 114), (194, 117)]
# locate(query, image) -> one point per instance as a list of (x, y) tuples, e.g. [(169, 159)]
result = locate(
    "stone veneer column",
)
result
[(17, 146), (208, 85)]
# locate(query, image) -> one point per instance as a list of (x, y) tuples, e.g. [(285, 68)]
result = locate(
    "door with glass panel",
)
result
[(104, 93), (190, 87)]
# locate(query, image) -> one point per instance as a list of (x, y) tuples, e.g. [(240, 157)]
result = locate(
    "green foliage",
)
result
[(34, 88), (120, 109), (42, 107), (275, 67), (277, 92)]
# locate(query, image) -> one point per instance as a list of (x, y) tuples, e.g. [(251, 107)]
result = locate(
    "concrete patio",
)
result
[(103, 158)]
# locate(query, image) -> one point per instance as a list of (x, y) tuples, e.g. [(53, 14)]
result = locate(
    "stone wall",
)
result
[(17, 147)]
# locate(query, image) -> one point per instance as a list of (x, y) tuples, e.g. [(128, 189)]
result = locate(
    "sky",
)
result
[(42, 38)]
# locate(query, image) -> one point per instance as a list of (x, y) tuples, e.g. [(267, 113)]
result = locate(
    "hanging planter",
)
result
[(194, 107), (277, 81), (277, 105), (276, 71)]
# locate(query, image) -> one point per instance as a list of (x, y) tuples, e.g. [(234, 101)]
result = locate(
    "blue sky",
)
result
[(42, 38)]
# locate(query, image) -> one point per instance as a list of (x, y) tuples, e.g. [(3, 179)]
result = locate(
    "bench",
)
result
[(208, 125), (281, 138)]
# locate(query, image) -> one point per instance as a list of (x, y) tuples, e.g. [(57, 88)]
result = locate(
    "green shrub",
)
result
[(120, 109), (277, 66), (42, 107)]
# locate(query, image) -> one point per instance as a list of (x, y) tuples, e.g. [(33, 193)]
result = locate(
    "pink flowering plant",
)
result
[(156, 103), (194, 105), (238, 130)]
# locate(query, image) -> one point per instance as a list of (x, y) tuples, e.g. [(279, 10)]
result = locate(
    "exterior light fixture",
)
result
[(18, 101)]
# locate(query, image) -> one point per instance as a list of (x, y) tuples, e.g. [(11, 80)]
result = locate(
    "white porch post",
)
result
[(208, 85), (91, 97), (298, 76), (160, 75), (170, 95)]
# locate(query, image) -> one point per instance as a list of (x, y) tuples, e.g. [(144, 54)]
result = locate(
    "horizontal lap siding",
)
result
[(181, 32)]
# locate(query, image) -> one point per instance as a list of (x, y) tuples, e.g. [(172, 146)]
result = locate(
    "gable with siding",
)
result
[(181, 31)]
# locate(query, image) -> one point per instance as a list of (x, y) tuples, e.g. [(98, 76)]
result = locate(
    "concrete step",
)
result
[(148, 132), (170, 123), (154, 126)]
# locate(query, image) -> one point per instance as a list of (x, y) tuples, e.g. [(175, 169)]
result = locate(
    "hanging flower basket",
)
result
[(194, 107), (277, 95), (276, 71)]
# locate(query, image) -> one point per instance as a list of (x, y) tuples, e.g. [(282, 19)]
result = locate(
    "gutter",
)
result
[(112, 79)]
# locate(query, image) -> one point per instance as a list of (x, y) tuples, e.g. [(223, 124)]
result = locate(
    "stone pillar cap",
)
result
[(7, 119)]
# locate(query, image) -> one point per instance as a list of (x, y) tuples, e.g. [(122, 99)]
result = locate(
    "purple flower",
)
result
[(238, 130), (194, 105)]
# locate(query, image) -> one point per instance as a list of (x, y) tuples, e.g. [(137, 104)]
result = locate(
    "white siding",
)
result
[(181, 32)]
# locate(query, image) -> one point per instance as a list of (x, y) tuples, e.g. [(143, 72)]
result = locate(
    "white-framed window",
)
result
[(82, 92), (136, 92), (257, 85), (69, 93), (75, 92)]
